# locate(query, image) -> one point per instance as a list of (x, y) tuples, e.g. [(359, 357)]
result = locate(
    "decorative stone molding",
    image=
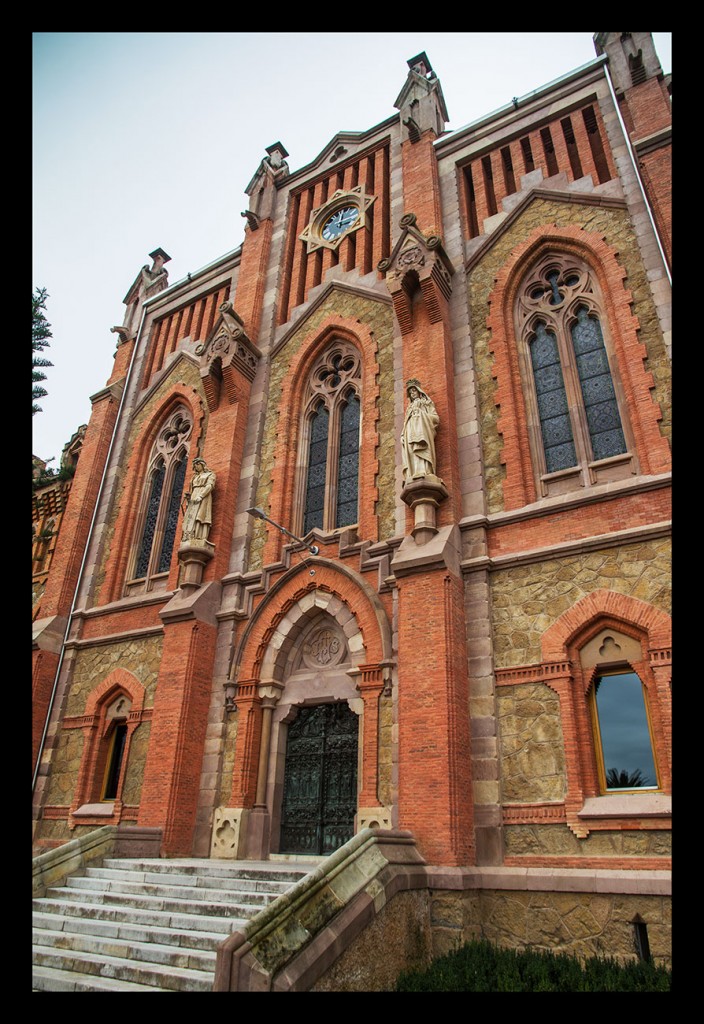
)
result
[(124, 335), (225, 354), (262, 188), (357, 198), (373, 817), (227, 827), (417, 262)]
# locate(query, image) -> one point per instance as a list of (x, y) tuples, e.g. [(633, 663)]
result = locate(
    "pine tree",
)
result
[(41, 332)]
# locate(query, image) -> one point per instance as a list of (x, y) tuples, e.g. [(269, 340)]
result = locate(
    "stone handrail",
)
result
[(291, 943), (54, 867)]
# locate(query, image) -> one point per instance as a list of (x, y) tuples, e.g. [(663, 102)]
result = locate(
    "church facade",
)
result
[(371, 523)]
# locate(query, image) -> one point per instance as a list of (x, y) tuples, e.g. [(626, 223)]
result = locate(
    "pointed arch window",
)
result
[(579, 432), (158, 519), (329, 484)]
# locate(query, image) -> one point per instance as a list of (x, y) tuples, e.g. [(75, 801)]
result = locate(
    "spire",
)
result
[(262, 187), (421, 102)]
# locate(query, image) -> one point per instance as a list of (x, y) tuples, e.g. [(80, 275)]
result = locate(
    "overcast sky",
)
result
[(147, 140)]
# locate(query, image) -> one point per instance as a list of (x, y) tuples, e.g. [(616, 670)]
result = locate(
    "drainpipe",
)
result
[(634, 161)]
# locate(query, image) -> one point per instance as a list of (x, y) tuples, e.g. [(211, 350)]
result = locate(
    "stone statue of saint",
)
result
[(418, 436), (199, 513)]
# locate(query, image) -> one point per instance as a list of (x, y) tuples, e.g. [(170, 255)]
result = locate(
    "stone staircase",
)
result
[(148, 925)]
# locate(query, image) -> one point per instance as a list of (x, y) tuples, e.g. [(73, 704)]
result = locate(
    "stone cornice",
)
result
[(655, 141), (112, 638), (113, 391)]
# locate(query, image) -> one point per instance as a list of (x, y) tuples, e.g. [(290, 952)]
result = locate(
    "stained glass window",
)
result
[(574, 395), (150, 524), (332, 468), (159, 516), (603, 419), (553, 410), (172, 514), (317, 464), (348, 463)]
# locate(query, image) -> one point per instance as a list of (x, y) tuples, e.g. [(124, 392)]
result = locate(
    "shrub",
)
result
[(482, 967)]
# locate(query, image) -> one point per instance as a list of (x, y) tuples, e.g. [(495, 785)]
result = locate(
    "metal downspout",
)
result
[(634, 161)]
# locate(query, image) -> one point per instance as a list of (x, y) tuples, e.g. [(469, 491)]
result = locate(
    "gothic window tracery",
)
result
[(575, 412), (330, 439), (158, 520)]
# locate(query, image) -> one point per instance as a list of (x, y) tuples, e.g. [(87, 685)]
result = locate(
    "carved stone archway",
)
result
[(311, 650)]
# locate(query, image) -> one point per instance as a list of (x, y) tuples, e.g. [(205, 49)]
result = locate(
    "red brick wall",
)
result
[(435, 798), (70, 546), (363, 249), (175, 758)]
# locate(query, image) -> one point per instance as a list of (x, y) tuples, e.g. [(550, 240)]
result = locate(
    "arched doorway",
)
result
[(320, 782)]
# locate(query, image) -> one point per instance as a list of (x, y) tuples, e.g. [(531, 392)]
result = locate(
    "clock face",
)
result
[(339, 222)]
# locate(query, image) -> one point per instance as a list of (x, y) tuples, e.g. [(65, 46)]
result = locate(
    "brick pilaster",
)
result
[(435, 786), (177, 741)]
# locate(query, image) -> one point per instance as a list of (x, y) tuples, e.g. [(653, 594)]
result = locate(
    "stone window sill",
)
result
[(628, 805), (95, 811)]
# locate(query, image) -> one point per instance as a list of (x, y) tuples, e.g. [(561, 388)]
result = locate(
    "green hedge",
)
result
[(482, 967)]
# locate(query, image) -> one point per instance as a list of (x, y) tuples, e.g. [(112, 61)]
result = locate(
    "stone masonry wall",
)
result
[(397, 939), (558, 840), (527, 599), (584, 924), (531, 744), (615, 227), (141, 657), (416, 927)]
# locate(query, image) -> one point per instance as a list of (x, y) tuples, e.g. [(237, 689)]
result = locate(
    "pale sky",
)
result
[(147, 140)]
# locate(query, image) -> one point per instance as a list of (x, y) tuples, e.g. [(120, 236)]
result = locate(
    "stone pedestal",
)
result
[(423, 496), (194, 555)]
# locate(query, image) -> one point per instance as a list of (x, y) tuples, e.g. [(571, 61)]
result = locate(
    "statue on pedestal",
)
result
[(199, 513), (418, 435)]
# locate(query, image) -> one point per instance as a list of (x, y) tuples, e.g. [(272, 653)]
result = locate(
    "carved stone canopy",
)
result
[(417, 262), (226, 356)]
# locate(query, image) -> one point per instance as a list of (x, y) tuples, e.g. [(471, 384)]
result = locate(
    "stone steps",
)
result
[(148, 925)]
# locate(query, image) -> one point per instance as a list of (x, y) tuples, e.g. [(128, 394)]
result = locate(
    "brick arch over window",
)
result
[(102, 715), (286, 491), (131, 513), (565, 671), (516, 422)]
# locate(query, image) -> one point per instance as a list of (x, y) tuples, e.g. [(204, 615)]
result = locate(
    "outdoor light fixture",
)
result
[(259, 513)]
